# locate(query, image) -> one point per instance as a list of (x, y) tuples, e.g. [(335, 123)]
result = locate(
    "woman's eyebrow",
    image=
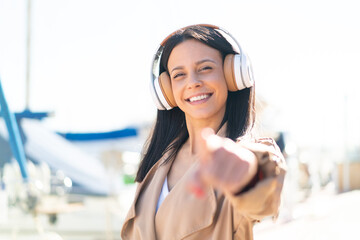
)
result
[(197, 63), (176, 68), (205, 60)]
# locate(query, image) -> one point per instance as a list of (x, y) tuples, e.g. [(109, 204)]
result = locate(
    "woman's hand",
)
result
[(224, 165)]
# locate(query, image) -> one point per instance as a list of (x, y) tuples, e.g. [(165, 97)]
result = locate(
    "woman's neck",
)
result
[(194, 128)]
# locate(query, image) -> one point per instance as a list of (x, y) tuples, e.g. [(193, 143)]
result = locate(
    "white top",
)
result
[(163, 194)]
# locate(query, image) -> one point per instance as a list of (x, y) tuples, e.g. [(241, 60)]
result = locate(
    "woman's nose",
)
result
[(194, 81)]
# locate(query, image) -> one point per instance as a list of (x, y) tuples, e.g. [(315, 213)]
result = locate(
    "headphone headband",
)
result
[(157, 57)]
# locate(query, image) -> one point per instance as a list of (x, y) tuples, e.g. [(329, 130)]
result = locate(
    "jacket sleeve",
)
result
[(261, 197)]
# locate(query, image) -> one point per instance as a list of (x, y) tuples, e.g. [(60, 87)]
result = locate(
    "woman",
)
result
[(193, 183)]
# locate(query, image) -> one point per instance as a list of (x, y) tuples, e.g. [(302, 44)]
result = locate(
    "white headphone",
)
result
[(237, 70)]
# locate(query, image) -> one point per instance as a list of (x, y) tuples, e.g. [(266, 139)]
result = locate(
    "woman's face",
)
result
[(198, 82)]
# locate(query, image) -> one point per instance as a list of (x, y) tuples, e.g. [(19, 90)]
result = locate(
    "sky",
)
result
[(90, 60)]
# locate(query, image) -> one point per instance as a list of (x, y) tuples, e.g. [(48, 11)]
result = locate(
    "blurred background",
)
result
[(75, 74)]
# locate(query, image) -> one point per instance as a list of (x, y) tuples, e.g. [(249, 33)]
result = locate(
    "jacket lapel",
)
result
[(145, 201), (182, 214)]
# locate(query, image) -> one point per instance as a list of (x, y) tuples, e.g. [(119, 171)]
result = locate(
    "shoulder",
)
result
[(259, 144), (270, 159)]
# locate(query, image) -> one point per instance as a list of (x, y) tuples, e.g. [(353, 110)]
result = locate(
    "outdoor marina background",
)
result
[(90, 67)]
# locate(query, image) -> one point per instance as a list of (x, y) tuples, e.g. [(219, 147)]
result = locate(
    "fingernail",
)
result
[(199, 193)]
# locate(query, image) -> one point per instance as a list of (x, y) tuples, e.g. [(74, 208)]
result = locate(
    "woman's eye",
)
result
[(205, 68), (178, 75)]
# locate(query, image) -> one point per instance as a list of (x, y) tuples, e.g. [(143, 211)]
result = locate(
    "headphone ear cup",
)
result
[(238, 72), (246, 71), (229, 73), (166, 89)]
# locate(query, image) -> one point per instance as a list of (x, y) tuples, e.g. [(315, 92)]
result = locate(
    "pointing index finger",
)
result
[(212, 141)]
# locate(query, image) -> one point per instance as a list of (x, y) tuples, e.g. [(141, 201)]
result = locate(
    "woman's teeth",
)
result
[(198, 98)]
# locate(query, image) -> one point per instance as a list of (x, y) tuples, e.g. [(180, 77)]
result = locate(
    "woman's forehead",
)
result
[(192, 50)]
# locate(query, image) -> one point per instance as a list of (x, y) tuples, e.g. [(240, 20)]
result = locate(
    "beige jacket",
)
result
[(215, 216)]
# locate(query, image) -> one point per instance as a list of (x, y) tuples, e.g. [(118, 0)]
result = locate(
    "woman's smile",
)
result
[(199, 98)]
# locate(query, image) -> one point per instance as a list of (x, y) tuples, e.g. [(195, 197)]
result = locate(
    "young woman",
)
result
[(203, 175)]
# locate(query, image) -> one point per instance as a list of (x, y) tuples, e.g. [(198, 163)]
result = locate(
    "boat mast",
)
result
[(28, 55)]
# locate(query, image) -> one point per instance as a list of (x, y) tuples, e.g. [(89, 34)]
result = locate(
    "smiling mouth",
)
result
[(199, 97)]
